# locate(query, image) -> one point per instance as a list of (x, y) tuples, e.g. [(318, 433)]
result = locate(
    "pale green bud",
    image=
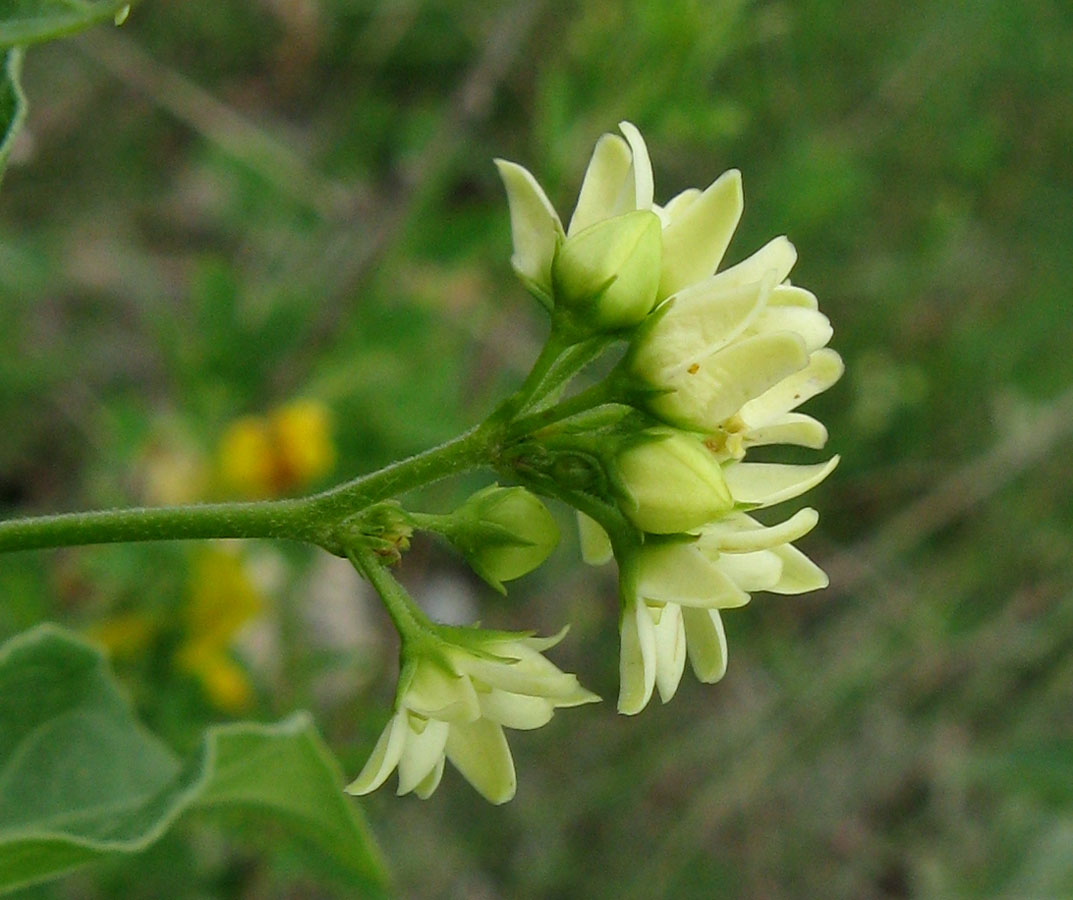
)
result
[(605, 277), (504, 533), (671, 483)]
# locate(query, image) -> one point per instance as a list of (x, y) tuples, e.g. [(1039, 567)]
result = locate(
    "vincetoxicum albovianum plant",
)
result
[(652, 457)]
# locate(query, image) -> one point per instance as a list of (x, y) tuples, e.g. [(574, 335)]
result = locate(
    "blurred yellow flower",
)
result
[(222, 599), (274, 455), (125, 635)]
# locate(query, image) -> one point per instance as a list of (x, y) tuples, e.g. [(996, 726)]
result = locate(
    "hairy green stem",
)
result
[(311, 519), (597, 395), (269, 519), (316, 519), (409, 619)]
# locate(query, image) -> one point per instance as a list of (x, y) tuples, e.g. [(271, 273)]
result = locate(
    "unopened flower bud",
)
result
[(671, 483), (504, 532), (605, 276)]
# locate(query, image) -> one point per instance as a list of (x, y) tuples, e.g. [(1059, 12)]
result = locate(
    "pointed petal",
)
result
[(792, 428), (531, 674), (640, 170), (679, 203), (788, 295), (765, 484), (699, 234), (670, 651), (776, 257), (679, 573), (595, 544), (421, 755), (515, 710), (824, 368), (759, 570), (480, 752), (637, 660), (739, 533), (540, 644), (432, 781), (534, 224), (799, 573), (579, 697), (384, 758), (711, 391), (604, 177), (707, 644)]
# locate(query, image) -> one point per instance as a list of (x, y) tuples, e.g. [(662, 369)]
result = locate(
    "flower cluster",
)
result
[(716, 363), (456, 694), (653, 458)]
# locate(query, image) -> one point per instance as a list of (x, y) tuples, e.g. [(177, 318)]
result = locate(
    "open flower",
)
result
[(682, 585), (455, 696), (735, 353)]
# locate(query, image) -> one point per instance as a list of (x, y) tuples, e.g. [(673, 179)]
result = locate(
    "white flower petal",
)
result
[(639, 194), (432, 781), (637, 659), (385, 756), (707, 644), (480, 752), (765, 484), (799, 573), (695, 323), (595, 544), (670, 651), (525, 672), (679, 573), (788, 295), (824, 368), (792, 428), (759, 570), (813, 326), (776, 256), (739, 533), (422, 754), (679, 203), (711, 391), (534, 224), (699, 234), (604, 177), (515, 710)]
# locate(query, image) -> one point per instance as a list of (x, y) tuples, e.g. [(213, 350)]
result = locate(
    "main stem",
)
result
[(316, 519), (312, 519)]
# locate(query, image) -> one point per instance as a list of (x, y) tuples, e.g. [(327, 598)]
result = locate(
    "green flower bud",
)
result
[(504, 533), (671, 483), (605, 277)]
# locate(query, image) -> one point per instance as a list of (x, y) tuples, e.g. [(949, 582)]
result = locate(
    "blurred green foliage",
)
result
[(218, 208)]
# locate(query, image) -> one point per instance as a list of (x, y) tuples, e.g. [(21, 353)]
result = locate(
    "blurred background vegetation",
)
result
[(223, 217)]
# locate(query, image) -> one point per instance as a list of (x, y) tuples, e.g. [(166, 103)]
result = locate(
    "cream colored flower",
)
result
[(682, 586), (734, 354), (453, 701)]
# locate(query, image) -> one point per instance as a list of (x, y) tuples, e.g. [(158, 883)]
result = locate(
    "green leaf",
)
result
[(31, 21), (12, 102), (81, 780)]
